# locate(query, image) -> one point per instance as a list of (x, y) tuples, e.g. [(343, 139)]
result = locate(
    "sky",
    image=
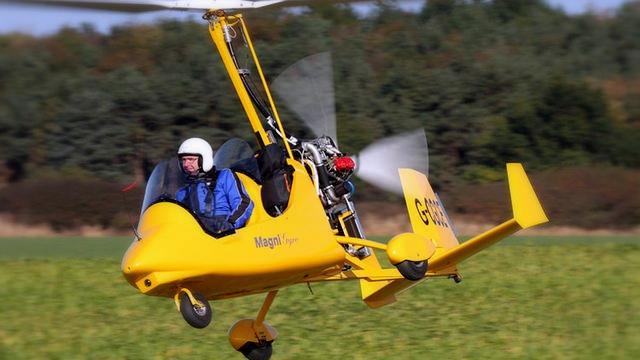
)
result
[(44, 20)]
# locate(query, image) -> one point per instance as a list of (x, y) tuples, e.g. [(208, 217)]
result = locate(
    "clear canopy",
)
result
[(165, 180), (232, 151)]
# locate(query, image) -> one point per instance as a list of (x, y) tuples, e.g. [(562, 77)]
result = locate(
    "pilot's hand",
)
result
[(222, 226), (217, 224)]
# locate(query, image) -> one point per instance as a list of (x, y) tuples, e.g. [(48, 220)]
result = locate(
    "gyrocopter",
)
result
[(304, 227)]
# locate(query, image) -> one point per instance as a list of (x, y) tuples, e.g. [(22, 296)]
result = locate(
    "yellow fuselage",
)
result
[(269, 253)]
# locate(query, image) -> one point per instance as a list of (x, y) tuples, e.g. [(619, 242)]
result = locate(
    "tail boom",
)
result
[(474, 245)]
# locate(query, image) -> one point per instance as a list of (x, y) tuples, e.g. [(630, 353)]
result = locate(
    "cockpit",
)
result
[(167, 177)]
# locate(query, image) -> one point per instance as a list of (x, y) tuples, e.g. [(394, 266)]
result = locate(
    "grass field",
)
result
[(545, 298)]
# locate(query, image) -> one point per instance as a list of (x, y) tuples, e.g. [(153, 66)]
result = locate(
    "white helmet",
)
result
[(199, 147)]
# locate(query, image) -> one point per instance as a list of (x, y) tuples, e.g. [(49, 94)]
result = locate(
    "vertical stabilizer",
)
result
[(426, 212), (527, 210)]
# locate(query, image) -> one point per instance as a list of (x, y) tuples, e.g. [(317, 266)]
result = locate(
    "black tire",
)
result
[(197, 317), (412, 270), (253, 351)]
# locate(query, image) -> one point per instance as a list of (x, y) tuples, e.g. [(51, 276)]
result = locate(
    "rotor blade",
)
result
[(151, 5), (306, 88), (379, 162)]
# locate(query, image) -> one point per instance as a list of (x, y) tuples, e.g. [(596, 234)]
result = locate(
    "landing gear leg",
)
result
[(253, 337)]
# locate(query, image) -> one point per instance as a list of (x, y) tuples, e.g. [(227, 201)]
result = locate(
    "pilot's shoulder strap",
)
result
[(211, 184), (211, 178)]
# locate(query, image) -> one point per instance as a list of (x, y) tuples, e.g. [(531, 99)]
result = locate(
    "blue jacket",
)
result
[(229, 198)]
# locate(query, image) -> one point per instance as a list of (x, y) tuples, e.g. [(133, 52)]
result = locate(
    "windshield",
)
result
[(164, 182), (237, 155), (232, 151)]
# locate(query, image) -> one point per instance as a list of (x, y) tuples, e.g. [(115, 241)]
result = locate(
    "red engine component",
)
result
[(344, 164)]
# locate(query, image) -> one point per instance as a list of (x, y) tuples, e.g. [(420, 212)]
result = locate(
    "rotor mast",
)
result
[(219, 29)]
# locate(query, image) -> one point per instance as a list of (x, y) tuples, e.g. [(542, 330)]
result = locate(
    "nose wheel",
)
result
[(194, 307)]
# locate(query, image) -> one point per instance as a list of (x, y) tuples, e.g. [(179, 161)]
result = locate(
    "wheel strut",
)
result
[(194, 307), (192, 299), (264, 309)]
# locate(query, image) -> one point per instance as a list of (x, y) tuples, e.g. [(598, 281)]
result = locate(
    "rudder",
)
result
[(426, 212)]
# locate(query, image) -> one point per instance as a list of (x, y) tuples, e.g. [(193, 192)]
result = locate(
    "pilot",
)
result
[(217, 197)]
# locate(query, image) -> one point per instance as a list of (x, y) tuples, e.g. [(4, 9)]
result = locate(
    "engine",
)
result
[(331, 170)]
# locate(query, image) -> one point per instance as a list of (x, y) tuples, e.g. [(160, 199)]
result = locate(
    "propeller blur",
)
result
[(379, 162), (306, 87)]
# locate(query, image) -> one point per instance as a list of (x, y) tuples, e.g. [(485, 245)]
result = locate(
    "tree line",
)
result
[(489, 81)]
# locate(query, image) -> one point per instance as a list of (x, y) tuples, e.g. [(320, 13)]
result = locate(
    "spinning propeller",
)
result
[(306, 88)]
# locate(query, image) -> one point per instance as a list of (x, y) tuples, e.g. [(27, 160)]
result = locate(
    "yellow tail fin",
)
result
[(527, 210), (426, 212)]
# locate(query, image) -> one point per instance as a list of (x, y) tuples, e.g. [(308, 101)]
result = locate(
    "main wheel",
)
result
[(197, 316), (254, 351), (412, 270)]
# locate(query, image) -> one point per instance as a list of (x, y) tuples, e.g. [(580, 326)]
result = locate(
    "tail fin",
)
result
[(428, 218), (527, 210)]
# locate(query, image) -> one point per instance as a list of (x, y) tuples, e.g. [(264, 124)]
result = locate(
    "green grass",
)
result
[(63, 247), (553, 298)]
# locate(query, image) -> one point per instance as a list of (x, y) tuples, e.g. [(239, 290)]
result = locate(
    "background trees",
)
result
[(489, 81)]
